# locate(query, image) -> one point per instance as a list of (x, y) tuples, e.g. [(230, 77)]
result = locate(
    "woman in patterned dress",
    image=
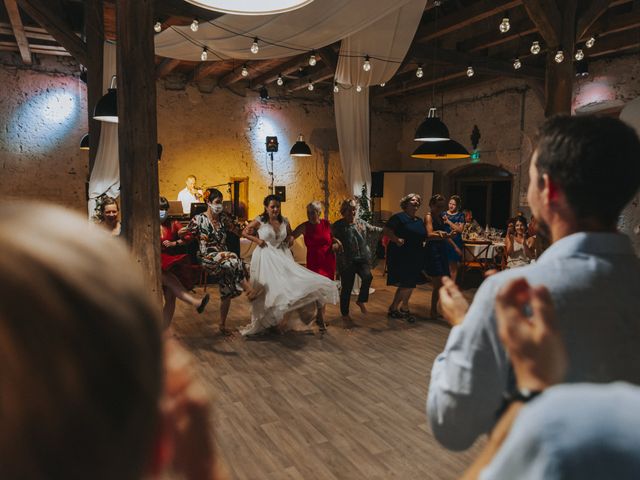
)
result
[(321, 247), (210, 230)]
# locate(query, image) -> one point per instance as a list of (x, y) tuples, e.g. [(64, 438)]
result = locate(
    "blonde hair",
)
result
[(80, 350), (407, 198)]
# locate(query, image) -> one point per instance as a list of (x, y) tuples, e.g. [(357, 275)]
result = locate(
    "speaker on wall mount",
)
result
[(282, 193), (272, 144), (377, 184)]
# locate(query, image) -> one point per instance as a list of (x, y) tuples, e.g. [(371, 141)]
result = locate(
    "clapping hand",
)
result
[(528, 328), (454, 305)]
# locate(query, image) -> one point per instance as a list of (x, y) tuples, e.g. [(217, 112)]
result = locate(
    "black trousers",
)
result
[(347, 277)]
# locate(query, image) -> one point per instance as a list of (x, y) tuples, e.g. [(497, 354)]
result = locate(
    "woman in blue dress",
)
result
[(436, 261), (454, 224), (406, 233)]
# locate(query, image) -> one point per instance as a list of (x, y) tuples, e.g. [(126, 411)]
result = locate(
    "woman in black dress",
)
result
[(406, 233), (436, 260)]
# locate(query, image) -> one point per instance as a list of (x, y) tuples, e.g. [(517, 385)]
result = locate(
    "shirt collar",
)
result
[(610, 243)]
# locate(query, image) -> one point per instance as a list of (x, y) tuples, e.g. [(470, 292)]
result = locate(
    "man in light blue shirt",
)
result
[(583, 172)]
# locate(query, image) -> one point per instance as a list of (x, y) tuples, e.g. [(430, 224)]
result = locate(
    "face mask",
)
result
[(163, 215), (216, 207)]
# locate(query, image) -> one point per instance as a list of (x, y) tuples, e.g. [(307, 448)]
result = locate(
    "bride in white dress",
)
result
[(287, 285)]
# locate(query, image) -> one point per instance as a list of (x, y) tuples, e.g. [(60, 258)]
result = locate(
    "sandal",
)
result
[(394, 314), (200, 308), (406, 314)]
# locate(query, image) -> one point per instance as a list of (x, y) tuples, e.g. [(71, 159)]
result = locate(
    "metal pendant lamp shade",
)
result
[(441, 150), (107, 107), (251, 7), (84, 143), (432, 129), (300, 148)]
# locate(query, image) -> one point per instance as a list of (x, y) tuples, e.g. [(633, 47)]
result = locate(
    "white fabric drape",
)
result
[(388, 39), (105, 176), (316, 25)]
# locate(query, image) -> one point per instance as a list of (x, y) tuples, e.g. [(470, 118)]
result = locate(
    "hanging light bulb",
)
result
[(591, 42), (535, 47), (312, 59), (579, 55), (366, 66), (157, 27), (505, 24), (194, 25), (310, 87), (517, 64), (254, 46), (559, 57), (382, 84), (470, 71), (336, 89), (280, 80), (419, 72), (245, 71), (358, 89), (204, 55)]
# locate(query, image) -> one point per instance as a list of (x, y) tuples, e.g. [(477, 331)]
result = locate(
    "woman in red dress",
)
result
[(321, 247), (176, 268)]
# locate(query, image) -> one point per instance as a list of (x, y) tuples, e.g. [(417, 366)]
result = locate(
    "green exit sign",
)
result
[(475, 156)]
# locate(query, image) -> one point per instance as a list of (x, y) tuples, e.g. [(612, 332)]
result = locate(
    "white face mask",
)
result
[(216, 207), (163, 215)]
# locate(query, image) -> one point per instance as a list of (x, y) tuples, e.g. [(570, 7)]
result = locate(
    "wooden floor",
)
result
[(343, 405)]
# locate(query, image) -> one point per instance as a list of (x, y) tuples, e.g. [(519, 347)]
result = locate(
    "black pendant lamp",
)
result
[(300, 148), (441, 150), (432, 129), (84, 143), (107, 107)]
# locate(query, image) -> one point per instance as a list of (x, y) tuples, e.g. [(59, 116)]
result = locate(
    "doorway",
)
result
[(486, 191)]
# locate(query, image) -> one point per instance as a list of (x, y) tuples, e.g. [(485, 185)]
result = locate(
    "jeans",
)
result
[(347, 277)]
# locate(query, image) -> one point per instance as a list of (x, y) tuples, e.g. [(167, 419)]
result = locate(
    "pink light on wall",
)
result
[(595, 96)]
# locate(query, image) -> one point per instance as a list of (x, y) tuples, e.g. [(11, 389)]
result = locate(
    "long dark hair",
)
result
[(267, 200)]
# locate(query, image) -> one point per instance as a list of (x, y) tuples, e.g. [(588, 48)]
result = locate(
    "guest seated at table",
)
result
[(107, 214), (454, 224), (176, 268), (518, 245), (406, 233), (84, 391), (436, 261), (471, 226)]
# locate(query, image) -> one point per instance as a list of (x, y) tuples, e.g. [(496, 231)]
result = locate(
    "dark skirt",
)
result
[(452, 255), (436, 263), (404, 266)]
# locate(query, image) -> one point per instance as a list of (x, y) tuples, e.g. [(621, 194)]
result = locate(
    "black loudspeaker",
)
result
[(272, 144), (282, 193), (377, 184)]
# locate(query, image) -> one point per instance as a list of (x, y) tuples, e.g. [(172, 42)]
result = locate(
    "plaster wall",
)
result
[(42, 117)]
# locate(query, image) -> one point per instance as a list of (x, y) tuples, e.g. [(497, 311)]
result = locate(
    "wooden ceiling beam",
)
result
[(18, 30), (285, 68), (166, 66), (614, 43), (596, 9), (464, 17), (40, 49), (51, 21), (547, 18), (518, 30), (324, 74), (417, 84), (615, 24)]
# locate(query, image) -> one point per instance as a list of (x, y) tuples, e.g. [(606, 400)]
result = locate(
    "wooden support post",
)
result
[(137, 136), (94, 33)]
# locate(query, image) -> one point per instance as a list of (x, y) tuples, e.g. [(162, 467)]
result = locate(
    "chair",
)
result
[(475, 256)]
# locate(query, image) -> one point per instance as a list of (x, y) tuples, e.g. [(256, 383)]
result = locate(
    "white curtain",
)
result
[(314, 26), (386, 41), (105, 176)]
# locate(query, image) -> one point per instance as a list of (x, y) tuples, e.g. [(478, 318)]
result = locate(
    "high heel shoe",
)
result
[(200, 308)]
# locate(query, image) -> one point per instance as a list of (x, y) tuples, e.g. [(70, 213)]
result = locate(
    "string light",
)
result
[(559, 57), (254, 46), (157, 27), (517, 64), (579, 55), (312, 59), (335, 87), (195, 25), (419, 72), (244, 72), (505, 24), (280, 80), (358, 89), (310, 86), (591, 42), (204, 55), (366, 66), (535, 47), (470, 71), (382, 84)]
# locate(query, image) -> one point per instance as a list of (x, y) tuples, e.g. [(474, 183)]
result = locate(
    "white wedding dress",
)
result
[(288, 285)]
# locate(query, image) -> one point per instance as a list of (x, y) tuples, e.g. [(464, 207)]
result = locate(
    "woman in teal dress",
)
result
[(453, 220)]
